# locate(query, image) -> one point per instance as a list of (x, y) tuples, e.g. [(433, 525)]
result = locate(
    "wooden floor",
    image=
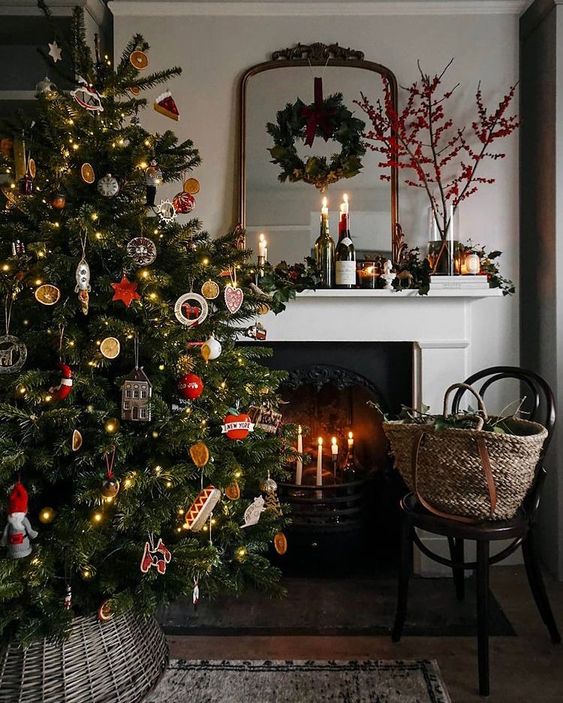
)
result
[(524, 669)]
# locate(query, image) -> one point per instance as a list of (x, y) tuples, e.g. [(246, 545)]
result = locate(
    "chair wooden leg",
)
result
[(405, 568), (483, 615), (457, 554), (537, 586)]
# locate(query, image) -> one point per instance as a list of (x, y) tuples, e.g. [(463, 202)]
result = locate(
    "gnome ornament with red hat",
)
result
[(18, 531)]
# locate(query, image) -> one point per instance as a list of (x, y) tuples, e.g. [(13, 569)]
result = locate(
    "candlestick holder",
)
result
[(261, 263), (334, 466)]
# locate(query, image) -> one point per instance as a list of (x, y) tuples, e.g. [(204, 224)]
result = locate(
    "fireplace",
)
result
[(335, 391)]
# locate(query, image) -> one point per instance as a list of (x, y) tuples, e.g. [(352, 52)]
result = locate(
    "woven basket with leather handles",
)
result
[(468, 475)]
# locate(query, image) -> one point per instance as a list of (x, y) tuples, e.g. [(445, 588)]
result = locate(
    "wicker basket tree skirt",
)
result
[(118, 660)]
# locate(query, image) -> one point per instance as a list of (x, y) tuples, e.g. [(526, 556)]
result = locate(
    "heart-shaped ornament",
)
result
[(233, 298)]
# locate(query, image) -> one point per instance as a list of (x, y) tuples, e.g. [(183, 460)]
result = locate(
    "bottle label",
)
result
[(345, 273), (347, 241)]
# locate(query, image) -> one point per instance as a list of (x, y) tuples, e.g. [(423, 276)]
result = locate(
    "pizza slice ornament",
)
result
[(166, 105), (201, 508)]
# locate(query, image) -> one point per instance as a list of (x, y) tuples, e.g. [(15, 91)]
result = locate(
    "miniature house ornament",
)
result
[(136, 393)]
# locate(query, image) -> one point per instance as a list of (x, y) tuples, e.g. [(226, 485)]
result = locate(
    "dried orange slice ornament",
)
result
[(47, 294), (105, 612), (233, 491), (210, 290), (31, 167), (110, 347), (199, 454), (87, 173), (191, 186), (76, 440), (280, 543), (139, 59)]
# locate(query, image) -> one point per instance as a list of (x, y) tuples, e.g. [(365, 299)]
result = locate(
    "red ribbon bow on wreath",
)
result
[(318, 116)]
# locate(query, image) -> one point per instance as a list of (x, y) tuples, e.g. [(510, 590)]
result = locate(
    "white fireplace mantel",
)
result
[(438, 325)]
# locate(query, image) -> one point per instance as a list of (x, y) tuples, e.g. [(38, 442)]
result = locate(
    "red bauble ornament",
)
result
[(183, 203), (190, 386), (237, 426)]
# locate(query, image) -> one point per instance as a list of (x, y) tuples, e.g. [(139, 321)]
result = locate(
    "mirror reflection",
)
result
[(288, 213)]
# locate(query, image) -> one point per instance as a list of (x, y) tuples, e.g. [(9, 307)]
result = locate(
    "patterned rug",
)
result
[(394, 681)]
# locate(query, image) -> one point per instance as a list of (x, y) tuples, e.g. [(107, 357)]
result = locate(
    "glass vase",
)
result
[(444, 252)]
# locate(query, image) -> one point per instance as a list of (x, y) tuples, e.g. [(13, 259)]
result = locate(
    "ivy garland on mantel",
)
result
[(329, 118)]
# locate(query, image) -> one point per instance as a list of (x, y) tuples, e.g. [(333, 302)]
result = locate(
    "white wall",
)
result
[(215, 50)]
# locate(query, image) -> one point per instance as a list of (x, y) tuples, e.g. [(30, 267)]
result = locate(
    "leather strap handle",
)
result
[(485, 464)]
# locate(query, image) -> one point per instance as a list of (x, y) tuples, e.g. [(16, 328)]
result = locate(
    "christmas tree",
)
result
[(129, 473)]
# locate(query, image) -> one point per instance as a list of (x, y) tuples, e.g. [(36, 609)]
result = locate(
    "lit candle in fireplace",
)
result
[(350, 440), (334, 448), (320, 462), (299, 465)]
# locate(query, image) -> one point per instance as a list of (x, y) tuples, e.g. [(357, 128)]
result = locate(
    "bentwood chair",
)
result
[(519, 529)]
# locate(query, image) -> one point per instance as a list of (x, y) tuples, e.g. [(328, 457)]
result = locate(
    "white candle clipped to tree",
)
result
[(262, 247), (299, 465)]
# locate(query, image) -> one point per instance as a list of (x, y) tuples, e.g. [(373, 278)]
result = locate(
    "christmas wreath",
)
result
[(328, 118)]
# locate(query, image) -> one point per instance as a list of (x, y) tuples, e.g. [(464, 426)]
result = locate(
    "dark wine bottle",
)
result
[(324, 254), (345, 255)]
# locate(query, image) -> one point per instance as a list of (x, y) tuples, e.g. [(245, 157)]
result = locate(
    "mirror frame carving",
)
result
[(317, 54)]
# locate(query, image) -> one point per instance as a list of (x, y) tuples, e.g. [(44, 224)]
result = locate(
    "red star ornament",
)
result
[(126, 291)]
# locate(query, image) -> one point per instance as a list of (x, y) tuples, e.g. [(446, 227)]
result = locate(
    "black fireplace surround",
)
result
[(348, 528)]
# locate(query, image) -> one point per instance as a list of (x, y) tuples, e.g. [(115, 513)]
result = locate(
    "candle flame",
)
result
[(325, 201), (320, 441), (333, 440), (345, 198), (262, 238), (299, 430), (350, 435)]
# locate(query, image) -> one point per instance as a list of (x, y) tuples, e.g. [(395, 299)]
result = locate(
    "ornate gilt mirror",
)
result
[(288, 213)]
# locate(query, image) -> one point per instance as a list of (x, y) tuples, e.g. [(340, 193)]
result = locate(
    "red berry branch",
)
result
[(442, 158)]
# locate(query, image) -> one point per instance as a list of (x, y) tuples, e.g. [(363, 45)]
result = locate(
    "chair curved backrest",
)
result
[(541, 409)]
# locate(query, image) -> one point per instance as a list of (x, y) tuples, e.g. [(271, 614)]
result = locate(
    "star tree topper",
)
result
[(55, 52), (126, 291)]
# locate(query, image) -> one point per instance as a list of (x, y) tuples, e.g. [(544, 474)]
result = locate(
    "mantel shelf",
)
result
[(401, 295)]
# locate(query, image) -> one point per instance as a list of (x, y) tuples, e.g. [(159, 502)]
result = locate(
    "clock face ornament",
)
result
[(142, 250), (108, 186)]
